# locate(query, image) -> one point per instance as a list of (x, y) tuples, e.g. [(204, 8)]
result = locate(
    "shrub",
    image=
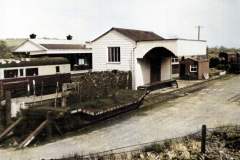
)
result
[(214, 62), (158, 148)]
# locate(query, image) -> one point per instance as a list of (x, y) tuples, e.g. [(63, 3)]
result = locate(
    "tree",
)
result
[(214, 62), (5, 52)]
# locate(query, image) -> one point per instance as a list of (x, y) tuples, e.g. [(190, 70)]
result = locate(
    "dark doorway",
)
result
[(155, 57), (182, 70), (155, 67)]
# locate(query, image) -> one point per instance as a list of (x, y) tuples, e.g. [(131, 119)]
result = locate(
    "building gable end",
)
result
[(29, 46)]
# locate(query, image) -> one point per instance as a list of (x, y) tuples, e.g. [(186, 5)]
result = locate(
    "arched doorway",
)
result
[(157, 58), (155, 66)]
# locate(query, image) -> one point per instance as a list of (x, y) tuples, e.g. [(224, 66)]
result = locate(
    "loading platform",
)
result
[(47, 121), (158, 85)]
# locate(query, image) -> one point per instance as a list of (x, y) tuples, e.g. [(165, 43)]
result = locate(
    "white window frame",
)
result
[(175, 60), (193, 68), (114, 54), (19, 74), (84, 61), (81, 61)]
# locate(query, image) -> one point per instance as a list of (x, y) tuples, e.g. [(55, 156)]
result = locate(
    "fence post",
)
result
[(203, 140), (64, 98)]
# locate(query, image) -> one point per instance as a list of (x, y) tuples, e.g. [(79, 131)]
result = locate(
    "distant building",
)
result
[(79, 56), (33, 75), (232, 59), (194, 68), (26, 67), (150, 57), (147, 55)]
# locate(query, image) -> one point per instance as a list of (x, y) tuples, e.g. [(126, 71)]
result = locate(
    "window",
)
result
[(193, 68), (12, 73), (31, 71), (57, 69), (175, 60), (82, 61), (113, 54), (175, 69), (21, 72)]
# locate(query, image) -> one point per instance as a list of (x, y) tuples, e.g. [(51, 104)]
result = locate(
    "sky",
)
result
[(87, 19)]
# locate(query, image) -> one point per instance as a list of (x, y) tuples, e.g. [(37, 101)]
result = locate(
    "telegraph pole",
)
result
[(199, 31)]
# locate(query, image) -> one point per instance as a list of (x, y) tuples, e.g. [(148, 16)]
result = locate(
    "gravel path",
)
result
[(219, 104)]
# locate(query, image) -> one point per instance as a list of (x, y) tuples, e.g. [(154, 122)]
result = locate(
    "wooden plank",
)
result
[(33, 135), (10, 128), (57, 128)]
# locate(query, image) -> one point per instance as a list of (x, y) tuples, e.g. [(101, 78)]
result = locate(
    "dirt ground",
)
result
[(223, 143), (217, 105)]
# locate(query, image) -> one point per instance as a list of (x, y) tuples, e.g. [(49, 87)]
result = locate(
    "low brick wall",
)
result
[(98, 84)]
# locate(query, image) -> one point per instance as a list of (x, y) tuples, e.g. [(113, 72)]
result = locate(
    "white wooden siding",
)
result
[(28, 46), (132, 54), (166, 70), (1, 73), (42, 70), (100, 52)]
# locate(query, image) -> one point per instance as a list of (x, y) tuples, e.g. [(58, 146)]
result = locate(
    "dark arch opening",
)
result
[(158, 52), (156, 57)]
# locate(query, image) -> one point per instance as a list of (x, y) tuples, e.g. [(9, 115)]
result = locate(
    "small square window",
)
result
[(31, 71), (114, 54), (12, 73), (82, 61), (57, 69), (193, 68), (175, 60)]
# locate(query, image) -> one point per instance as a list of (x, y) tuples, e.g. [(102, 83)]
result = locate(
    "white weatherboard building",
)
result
[(147, 55), (79, 56), (28, 67)]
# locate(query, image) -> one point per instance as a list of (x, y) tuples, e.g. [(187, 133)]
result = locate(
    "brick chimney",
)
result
[(69, 37), (32, 36)]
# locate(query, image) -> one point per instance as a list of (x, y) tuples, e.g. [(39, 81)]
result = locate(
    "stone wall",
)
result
[(99, 84)]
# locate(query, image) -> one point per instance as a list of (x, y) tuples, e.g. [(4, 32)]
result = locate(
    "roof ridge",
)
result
[(133, 29), (135, 35)]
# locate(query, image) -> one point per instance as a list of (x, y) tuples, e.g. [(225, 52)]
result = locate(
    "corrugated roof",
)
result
[(136, 35), (5, 63), (63, 46), (200, 58), (55, 41)]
